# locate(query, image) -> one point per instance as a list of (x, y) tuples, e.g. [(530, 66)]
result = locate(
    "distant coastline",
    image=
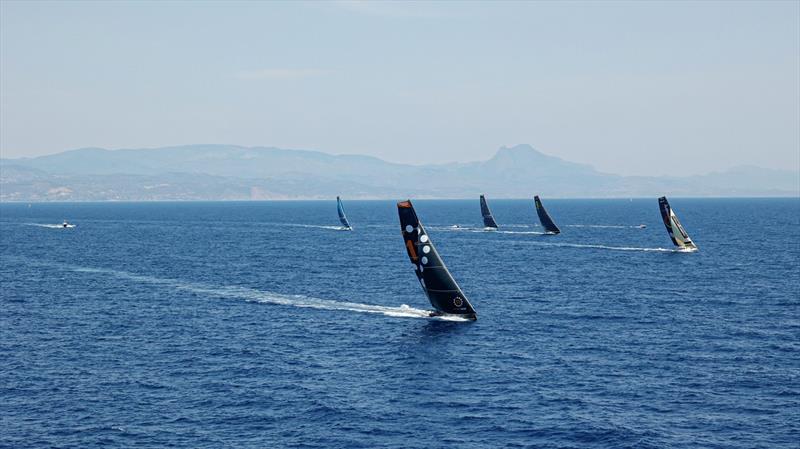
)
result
[(235, 173)]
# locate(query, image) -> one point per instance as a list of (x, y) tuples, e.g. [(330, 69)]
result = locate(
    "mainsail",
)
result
[(544, 217), (342, 216), (443, 292), (488, 219), (676, 232)]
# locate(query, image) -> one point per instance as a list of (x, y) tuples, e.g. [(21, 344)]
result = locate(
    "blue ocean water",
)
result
[(259, 324)]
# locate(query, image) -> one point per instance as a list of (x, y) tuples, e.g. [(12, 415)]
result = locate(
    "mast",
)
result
[(442, 290), (488, 219), (544, 217), (674, 227)]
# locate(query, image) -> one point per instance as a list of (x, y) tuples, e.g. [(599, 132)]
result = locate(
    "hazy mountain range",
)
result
[(229, 172)]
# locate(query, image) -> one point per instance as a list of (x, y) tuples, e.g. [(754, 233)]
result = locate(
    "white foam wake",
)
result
[(249, 294), (606, 226), (303, 225), (522, 232), (491, 230), (51, 226), (613, 248), (480, 229)]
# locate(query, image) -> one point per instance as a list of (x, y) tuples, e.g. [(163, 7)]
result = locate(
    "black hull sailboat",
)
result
[(442, 290), (674, 227), (488, 219), (547, 222)]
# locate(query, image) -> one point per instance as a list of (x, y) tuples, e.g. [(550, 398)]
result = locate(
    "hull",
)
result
[(468, 316)]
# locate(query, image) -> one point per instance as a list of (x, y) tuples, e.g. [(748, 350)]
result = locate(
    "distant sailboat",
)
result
[(488, 219), (676, 232), (443, 292), (547, 222), (342, 216)]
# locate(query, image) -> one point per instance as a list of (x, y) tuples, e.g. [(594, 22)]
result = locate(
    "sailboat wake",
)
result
[(523, 232), (613, 248), (51, 226), (641, 226), (303, 225), (490, 230), (253, 295)]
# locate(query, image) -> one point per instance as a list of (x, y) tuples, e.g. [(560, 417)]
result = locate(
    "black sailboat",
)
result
[(674, 227), (443, 292), (342, 216), (547, 222), (488, 219)]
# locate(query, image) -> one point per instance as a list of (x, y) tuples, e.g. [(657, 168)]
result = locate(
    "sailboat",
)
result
[(674, 227), (342, 216), (442, 290), (547, 222), (488, 219)]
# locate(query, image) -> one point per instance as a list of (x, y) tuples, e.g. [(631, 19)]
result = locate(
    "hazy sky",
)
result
[(630, 87)]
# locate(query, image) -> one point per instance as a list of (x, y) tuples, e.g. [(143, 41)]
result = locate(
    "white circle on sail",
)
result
[(409, 228), (426, 249), (423, 238), (424, 260)]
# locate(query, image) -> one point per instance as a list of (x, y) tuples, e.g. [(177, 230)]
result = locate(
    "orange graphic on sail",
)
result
[(411, 251)]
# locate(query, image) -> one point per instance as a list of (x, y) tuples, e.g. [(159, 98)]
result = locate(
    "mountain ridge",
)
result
[(233, 172)]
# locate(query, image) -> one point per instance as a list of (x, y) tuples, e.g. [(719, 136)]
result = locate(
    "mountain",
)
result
[(228, 172)]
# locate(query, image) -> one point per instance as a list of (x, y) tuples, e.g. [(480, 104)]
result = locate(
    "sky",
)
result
[(632, 88)]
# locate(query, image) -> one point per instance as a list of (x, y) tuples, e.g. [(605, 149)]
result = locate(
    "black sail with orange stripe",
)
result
[(443, 292)]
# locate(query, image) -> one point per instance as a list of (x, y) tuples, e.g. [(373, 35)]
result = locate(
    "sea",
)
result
[(264, 325)]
